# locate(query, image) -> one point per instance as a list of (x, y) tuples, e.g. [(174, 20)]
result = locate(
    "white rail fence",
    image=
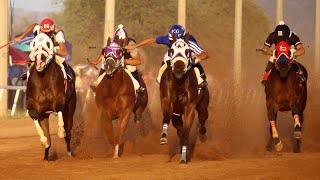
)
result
[(222, 97)]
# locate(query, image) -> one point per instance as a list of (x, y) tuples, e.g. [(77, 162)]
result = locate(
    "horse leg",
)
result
[(43, 131), (202, 110), (108, 127), (298, 120), (61, 130), (184, 140), (124, 119), (68, 118), (272, 115), (164, 133)]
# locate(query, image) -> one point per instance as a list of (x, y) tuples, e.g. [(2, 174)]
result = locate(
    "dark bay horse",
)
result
[(47, 91), (180, 97), (285, 92), (115, 95)]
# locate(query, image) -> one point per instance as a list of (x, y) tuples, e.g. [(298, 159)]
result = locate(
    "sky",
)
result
[(38, 5)]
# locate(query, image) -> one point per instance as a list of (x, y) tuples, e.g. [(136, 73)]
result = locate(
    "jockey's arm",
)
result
[(62, 51), (142, 43), (134, 61), (267, 51), (203, 55), (100, 58), (299, 50), (23, 35)]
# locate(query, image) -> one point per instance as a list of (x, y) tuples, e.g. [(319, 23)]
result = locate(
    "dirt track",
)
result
[(230, 152)]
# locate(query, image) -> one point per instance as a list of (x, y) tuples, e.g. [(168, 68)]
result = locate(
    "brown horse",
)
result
[(116, 97), (180, 97), (46, 93), (285, 92)]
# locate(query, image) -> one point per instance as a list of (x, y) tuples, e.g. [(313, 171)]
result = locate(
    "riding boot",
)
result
[(268, 69), (295, 66), (25, 75), (69, 77), (161, 71), (202, 76), (95, 84), (135, 74)]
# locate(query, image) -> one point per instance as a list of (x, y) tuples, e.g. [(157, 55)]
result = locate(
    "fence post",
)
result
[(14, 106)]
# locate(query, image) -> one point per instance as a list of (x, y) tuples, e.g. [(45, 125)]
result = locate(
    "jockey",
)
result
[(47, 26), (179, 32), (283, 33), (131, 59)]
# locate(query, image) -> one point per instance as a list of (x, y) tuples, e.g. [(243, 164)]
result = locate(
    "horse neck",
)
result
[(53, 70)]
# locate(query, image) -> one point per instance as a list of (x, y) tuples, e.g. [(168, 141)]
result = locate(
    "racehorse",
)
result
[(285, 92), (115, 95), (180, 97), (47, 91)]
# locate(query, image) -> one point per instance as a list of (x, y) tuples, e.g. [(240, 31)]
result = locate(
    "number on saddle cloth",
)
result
[(282, 48)]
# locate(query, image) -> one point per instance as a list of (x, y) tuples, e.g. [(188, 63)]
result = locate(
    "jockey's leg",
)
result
[(135, 74), (59, 60), (95, 84), (198, 69), (25, 75), (295, 66), (134, 81), (163, 67), (268, 69)]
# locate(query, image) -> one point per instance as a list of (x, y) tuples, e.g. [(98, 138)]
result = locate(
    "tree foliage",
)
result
[(211, 22)]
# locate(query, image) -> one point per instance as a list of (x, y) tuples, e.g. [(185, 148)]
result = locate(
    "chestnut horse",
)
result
[(285, 92), (47, 91), (180, 96), (115, 95)]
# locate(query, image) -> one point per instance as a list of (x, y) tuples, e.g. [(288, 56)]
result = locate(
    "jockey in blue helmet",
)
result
[(178, 31)]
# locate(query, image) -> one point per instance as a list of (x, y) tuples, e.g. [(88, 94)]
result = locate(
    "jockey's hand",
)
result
[(17, 39), (130, 47)]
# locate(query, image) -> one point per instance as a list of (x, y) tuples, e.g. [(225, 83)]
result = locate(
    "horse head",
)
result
[(113, 57), (180, 57), (283, 58), (41, 51)]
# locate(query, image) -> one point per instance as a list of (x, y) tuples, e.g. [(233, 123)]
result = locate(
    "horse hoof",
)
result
[(202, 130), (69, 154), (115, 156), (297, 132), (44, 142), (183, 162), (279, 146), (61, 133), (203, 138), (163, 141), (45, 159)]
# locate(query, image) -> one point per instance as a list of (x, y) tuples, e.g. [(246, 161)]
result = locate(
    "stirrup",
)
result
[(302, 78), (264, 82), (93, 86), (23, 76), (140, 89), (69, 77), (203, 84)]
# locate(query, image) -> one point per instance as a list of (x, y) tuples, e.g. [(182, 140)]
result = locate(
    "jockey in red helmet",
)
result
[(282, 33), (47, 26)]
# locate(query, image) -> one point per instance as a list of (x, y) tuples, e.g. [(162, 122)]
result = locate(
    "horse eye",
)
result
[(172, 51), (187, 52), (48, 44)]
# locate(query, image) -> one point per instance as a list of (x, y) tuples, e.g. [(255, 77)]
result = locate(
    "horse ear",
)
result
[(187, 38), (121, 42), (174, 39), (109, 41)]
